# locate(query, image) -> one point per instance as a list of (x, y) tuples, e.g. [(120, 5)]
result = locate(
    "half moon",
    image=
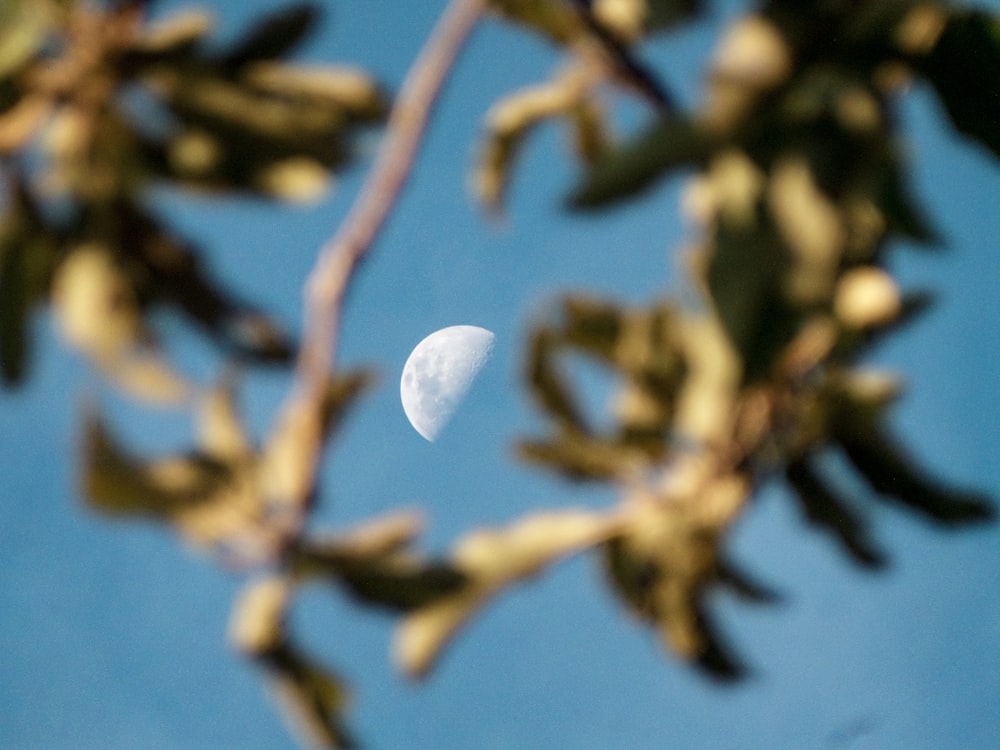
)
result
[(438, 374)]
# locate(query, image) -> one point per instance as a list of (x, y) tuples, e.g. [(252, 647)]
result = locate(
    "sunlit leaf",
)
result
[(491, 560), (555, 19), (117, 483)]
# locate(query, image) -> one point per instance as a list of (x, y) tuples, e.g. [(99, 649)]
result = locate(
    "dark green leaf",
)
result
[(716, 657), (547, 384), (744, 279), (117, 483), (28, 250), (664, 14), (313, 698), (273, 36), (824, 509), (744, 586), (964, 68), (577, 457), (168, 271), (15, 307), (341, 393), (629, 169), (633, 575), (893, 474)]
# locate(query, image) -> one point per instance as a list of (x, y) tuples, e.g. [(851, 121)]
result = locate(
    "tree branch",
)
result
[(299, 426)]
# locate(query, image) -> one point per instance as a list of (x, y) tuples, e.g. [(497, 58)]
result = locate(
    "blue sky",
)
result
[(113, 636)]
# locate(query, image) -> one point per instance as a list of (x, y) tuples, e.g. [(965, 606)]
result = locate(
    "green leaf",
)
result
[(625, 171), (23, 28), (168, 271), (964, 68), (118, 483), (28, 252), (887, 468), (747, 588), (744, 279), (825, 510), (273, 36), (313, 698), (548, 385)]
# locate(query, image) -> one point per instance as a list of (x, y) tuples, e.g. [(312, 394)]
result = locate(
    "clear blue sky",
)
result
[(112, 636)]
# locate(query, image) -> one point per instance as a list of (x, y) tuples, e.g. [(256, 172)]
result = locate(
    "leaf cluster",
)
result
[(99, 104), (799, 188)]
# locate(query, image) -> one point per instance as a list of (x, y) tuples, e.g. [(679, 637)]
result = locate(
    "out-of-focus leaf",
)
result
[(23, 28), (548, 385), (214, 505), (173, 38), (15, 308), (893, 474), (881, 179), (273, 35), (220, 430), (512, 119), (555, 19), (117, 483), (491, 560), (294, 445), (28, 252), (582, 458), (672, 599), (964, 68), (398, 581), (825, 510), (622, 172), (168, 271), (312, 697), (665, 14), (342, 391), (747, 588), (667, 557), (744, 279), (95, 303), (859, 343)]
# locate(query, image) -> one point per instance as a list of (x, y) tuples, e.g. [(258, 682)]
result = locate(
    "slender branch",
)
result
[(297, 440), (343, 253)]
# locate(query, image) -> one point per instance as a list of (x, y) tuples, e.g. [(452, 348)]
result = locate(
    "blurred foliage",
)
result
[(98, 103), (797, 188)]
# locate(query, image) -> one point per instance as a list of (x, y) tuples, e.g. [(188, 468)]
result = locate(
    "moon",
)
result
[(438, 374)]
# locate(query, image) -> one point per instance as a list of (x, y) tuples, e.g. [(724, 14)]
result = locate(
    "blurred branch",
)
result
[(338, 259)]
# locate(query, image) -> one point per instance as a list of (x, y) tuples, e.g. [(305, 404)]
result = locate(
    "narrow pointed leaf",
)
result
[(964, 68), (634, 167), (274, 35), (895, 476), (825, 510)]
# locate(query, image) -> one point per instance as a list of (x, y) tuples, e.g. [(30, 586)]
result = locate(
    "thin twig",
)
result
[(340, 257)]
